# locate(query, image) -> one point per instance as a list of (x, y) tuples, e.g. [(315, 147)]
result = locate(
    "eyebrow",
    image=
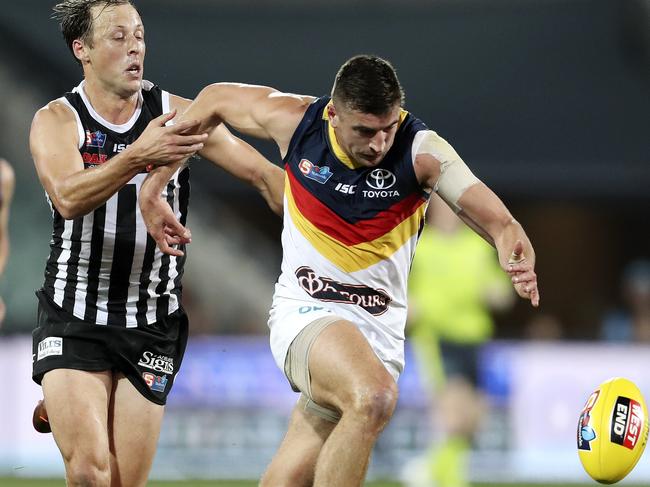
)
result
[(365, 127), (137, 27)]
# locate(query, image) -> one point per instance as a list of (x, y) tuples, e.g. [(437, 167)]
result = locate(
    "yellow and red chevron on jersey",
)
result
[(358, 245)]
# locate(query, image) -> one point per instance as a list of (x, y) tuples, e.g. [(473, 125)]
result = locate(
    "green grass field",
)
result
[(16, 482)]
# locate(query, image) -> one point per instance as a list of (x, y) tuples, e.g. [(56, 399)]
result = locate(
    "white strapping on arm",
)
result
[(455, 176)]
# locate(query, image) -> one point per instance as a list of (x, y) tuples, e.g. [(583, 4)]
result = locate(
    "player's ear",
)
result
[(331, 115), (80, 51)]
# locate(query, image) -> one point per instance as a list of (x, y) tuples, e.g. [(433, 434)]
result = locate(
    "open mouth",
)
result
[(134, 69)]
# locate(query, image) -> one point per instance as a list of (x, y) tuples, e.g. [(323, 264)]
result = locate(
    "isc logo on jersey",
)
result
[(612, 430), (379, 180)]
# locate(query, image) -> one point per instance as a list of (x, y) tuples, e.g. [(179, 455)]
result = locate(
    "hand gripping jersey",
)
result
[(103, 267), (349, 236)]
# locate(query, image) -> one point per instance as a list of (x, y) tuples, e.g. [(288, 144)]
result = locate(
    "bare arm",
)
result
[(224, 150), (75, 191), (242, 161), (234, 155), (254, 110), (158, 216), (482, 209), (485, 212), (440, 168), (230, 153)]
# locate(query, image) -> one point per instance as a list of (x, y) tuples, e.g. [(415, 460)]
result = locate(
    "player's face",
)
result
[(364, 137), (117, 55)]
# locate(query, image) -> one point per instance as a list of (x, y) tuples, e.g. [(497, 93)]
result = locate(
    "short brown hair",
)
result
[(368, 84), (76, 20)]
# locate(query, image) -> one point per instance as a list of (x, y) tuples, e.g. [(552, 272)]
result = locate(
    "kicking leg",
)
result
[(348, 376)]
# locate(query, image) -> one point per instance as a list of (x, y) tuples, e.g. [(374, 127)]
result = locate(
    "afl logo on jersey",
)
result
[(95, 139), (313, 172)]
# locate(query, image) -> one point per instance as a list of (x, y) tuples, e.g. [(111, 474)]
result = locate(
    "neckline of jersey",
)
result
[(118, 128)]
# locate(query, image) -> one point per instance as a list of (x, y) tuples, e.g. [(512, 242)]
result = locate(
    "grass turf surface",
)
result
[(18, 482)]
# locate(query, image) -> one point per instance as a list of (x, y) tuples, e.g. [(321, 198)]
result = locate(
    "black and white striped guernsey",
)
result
[(103, 267)]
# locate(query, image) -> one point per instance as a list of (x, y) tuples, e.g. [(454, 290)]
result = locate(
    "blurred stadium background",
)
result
[(546, 100)]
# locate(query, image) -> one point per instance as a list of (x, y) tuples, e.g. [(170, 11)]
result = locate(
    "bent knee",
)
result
[(85, 469), (88, 475), (375, 404)]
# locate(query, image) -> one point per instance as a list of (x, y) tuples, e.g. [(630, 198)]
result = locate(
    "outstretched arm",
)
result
[(254, 110), (244, 162), (484, 211), (158, 216), (226, 151), (258, 111), (233, 155), (441, 169)]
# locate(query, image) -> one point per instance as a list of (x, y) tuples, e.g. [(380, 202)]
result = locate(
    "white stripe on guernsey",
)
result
[(154, 277), (80, 128), (62, 263), (121, 128), (110, 225), (138, 258), (84, 262), (173, 270), (166, 108)]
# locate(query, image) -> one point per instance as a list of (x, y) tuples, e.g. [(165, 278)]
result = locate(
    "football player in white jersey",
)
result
[(359, 172)]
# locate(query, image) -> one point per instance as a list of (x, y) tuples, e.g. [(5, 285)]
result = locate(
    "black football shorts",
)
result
[(149, 357)]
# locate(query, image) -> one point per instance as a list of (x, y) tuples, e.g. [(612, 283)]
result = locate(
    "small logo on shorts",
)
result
[(159, 363), (50, 346), (155, 382)]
